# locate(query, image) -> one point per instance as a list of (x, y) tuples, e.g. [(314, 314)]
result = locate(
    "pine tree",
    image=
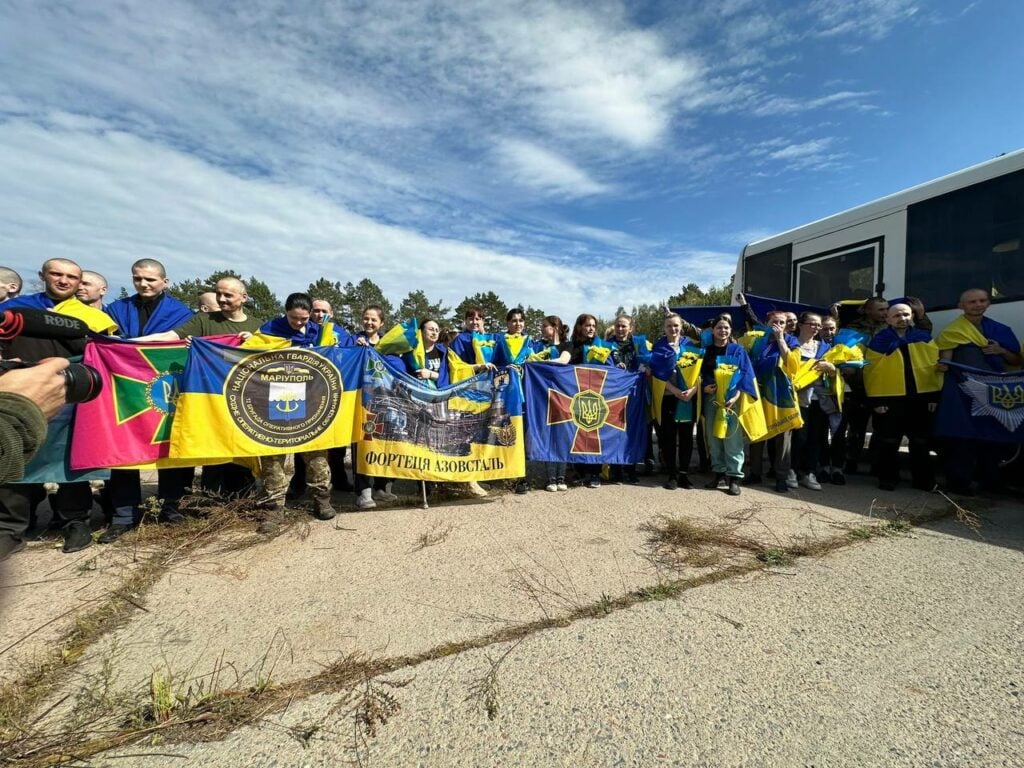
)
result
[(357, 297), (417, 305), (329, 292), (492, 305)]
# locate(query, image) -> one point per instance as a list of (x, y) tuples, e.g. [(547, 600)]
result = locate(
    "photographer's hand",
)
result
[(43, 384)]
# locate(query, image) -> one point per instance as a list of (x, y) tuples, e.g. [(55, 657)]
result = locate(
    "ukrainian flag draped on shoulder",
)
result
[(244, 402), (884, 375), (472, 430), (681, 367), (512, 349), (844, 352), (97, 320), (962, 331), (735, 373), (775, 387)]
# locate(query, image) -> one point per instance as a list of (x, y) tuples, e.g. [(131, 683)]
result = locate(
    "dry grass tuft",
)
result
[(678, 542), (437, 533)]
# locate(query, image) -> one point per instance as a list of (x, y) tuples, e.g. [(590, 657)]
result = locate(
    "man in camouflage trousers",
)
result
[(277, 472)]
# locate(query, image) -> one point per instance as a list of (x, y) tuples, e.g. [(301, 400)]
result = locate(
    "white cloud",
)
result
[(782, 105), (106, 199), (874, 19), (533, 166), (814, 155), (805, 149)]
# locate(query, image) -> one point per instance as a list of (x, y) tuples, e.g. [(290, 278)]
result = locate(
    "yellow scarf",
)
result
[(959, 332), (97, 320)]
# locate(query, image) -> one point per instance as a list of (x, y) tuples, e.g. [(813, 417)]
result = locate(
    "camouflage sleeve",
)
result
[(22, 431)]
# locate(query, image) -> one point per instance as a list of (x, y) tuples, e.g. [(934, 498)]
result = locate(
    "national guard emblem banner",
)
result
[(585, 414), (981, 405), (243, 402), (472, 430)]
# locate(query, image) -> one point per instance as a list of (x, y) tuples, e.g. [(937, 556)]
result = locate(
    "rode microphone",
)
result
[(40, 324)]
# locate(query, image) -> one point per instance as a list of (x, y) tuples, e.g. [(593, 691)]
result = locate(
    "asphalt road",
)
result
[(905, 651)]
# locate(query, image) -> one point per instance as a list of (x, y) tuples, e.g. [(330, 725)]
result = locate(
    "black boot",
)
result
[(322, 508), (718, 484)]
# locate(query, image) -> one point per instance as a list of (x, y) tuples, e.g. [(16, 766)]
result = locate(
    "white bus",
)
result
[(931, 241)]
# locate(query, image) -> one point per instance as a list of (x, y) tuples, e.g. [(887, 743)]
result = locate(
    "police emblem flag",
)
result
[(981, 405)]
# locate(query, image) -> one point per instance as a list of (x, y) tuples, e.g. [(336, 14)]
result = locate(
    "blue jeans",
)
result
[(726, 453)]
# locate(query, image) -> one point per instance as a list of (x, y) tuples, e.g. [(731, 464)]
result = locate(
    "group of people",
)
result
[(705, 383)]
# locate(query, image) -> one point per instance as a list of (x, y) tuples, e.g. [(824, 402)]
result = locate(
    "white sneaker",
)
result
[(810, 481), (791, 480), (563, 487), (475, 488), (384, 495), (552, 487), (365, 500)]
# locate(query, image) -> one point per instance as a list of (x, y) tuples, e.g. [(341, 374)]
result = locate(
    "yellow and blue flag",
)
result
[(884, 375), (241, 402), (404, 338)]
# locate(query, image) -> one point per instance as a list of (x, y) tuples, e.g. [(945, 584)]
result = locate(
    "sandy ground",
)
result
[(718, 677), (286, 608), (903, 651)]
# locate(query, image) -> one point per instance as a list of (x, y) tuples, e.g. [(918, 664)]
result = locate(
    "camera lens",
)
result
[(82, 383)]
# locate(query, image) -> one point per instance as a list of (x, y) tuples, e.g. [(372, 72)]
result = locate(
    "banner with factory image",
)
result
[(472, 430)]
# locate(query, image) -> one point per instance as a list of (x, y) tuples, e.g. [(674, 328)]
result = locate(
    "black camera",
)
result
[(81, 382)]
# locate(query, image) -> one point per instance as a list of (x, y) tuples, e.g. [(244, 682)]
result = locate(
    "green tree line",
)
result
[(348, 300)]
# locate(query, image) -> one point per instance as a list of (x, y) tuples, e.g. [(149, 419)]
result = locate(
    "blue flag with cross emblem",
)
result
[(585, 414)]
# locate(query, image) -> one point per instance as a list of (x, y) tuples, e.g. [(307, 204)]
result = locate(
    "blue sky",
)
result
[(572, 156)]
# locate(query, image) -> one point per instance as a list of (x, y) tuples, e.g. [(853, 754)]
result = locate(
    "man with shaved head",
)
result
[(902, 384), (208, 302), (92, 289), (72, 502), (979, 342), (150, 310), (229, 319), (10, 284)]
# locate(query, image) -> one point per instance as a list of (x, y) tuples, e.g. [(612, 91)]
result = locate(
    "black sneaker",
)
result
[(838, 478), (684, 482), (77, 536), (671, 484), (781, 486), (522, 487), (114, 532), (632, 479), (734, 487), (718, 484)]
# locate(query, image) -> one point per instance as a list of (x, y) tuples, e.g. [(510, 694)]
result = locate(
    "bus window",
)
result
[(848, 273), (969, 238), (767, 274)]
